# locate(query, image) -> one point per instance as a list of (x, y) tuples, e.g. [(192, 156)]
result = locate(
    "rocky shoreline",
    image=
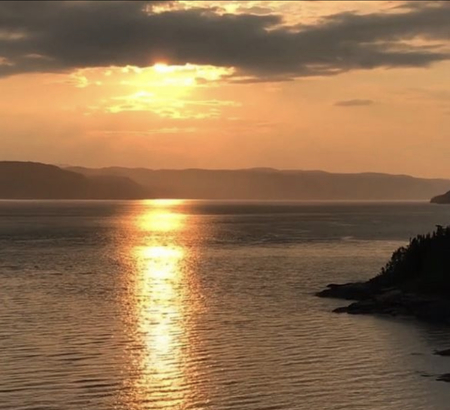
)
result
[(371, 299), (415, 282)]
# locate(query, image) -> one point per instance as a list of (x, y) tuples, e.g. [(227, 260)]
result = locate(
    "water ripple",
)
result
[(141, 305)]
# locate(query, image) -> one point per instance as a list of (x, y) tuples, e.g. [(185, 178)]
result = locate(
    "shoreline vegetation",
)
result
[(414, 283)]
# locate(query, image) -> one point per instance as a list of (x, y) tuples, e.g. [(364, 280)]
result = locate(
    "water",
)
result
[(207, 305)]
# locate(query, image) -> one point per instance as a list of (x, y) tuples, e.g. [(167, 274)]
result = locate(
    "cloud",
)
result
[(354, 103), (174, 108), (73, 35), (163, 130)]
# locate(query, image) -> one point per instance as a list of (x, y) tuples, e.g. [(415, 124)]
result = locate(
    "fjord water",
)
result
[(207, 305)]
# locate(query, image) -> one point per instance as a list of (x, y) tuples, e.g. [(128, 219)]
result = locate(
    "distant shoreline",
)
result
[(28, 180), (296, 201)]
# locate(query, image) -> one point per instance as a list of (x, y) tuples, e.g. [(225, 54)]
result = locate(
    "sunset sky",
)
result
[(342, 86)]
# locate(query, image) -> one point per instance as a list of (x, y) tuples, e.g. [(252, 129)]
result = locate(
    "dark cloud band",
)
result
[(61, 36)]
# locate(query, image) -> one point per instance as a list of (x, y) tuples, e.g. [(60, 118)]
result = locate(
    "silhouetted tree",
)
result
[(423, 265)]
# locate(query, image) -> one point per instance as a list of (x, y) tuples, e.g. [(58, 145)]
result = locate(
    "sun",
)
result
[(170, 91)]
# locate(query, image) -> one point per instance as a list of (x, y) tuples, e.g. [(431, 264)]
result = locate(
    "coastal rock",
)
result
[(349, 291), (395, 302), (444, 378), (414, 282), (359, 308), (437, 311), (445, 352)]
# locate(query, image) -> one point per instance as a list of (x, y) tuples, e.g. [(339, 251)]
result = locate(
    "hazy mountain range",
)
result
[(28, 180), (272, 184)]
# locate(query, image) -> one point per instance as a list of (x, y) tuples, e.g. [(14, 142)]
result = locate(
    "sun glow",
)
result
[(158, 220), (160, 295), (161, 318), (164, 68), (158, 75), (169, 91)]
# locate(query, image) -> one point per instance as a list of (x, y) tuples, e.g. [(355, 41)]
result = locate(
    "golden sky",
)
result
[(343, 86)]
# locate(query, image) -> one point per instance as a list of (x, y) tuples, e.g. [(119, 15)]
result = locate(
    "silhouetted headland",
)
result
[(30, 180), (415, 282), (441, 199)]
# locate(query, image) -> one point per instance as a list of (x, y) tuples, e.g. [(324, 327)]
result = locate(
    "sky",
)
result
[(341, 86)]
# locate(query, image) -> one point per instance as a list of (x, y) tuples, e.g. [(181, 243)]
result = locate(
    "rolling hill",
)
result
[(30, 180), (272, 184)]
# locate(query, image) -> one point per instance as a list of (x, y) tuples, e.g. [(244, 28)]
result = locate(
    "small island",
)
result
[(415, 282)]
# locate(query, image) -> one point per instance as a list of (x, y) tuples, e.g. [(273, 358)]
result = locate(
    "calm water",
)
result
[(206, 305)]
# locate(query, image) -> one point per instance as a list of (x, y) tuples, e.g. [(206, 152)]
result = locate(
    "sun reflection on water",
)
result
[(161, 288), (161, 220)]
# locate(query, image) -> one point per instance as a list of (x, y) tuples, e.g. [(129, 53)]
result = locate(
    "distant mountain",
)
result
[(272, 184), (30, 180), (441, 199)]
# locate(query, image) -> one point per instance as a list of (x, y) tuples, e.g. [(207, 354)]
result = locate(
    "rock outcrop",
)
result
[(389, 301), (415, 282)]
